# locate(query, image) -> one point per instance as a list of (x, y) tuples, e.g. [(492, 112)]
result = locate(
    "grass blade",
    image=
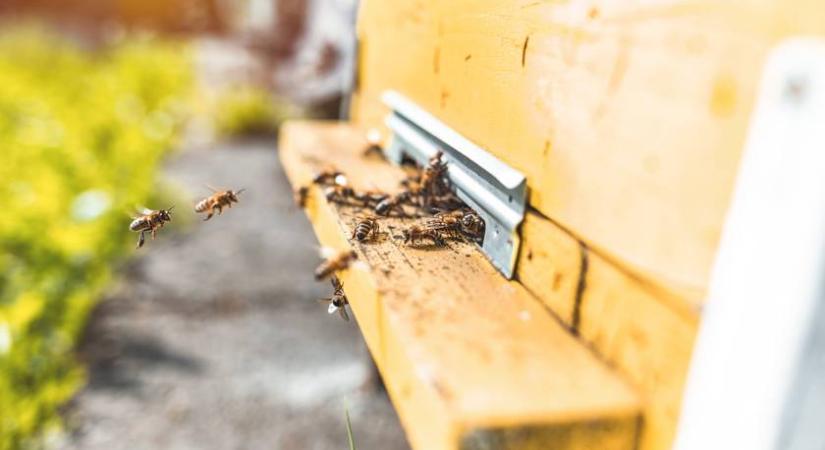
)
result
[(349, 431)]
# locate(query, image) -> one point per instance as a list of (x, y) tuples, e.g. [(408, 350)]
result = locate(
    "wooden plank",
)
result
[(627, 117), (550, 264), (469, 358), (636, 328), (645, 331)]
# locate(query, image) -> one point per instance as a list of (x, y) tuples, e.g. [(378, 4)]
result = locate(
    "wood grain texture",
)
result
[(464, 352), (628, 117)]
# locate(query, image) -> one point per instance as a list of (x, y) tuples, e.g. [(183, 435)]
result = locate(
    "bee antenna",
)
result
[(238, 192), (170, 208)]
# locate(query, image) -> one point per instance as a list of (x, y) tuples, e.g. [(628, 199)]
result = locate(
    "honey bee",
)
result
[(373, 144), (393, 203), (341, 194), (329, 176), (217, 201), (338, 302), (433, 177), (416, 233), (472, 225), (371, 198), (338, 261), (367, 228), (458, 223), (150, 220), (301, 195)]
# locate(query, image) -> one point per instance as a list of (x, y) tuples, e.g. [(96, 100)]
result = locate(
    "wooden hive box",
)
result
[(628, 119)]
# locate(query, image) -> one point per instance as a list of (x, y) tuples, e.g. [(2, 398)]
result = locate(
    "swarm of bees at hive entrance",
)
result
[(431, 212), (426, 195)]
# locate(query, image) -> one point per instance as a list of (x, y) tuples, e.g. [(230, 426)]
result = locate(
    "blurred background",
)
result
[(210, 336)]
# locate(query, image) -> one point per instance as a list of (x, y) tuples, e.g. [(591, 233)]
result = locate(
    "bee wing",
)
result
[(212, 188), (142, 210), (324, 300), (343, 312), (341, 180)]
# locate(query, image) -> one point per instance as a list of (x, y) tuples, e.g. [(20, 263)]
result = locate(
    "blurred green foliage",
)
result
[(246, 110), (81, 136)]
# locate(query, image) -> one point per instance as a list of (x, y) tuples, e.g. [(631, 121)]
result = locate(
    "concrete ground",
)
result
[(213, 339)]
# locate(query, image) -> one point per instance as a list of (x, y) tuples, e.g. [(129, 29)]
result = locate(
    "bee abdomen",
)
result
[(203, 205), (322, 271), (139, 224), (363, 230)]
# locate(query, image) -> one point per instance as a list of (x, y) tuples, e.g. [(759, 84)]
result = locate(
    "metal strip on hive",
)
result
[(493, 189)]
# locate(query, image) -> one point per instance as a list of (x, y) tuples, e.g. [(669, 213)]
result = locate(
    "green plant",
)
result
[(81, 136)]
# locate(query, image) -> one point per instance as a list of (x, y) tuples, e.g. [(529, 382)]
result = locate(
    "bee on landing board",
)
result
[(394, 203), (338, 302), (341, 194), (373, 147), (414, 234), (217, 201), (367, 228), (458, 223), (335, 262), (329, 176), (150, 220)]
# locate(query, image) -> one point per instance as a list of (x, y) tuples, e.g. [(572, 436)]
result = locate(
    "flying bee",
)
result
[(217, 201), (373, 144), (330, 176), (367, 228), (416, 233), (338, 302), (151, 221), (301, 195), (335, 262)]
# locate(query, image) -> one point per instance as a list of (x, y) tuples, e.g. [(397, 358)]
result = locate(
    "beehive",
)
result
[(628, 119)]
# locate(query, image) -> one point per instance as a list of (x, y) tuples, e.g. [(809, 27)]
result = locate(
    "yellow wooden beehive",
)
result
[(628, 119)]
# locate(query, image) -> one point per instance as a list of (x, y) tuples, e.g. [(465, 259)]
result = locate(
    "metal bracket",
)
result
[(493, 189)]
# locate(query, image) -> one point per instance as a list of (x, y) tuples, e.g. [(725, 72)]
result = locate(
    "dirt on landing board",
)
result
[(212, 339)]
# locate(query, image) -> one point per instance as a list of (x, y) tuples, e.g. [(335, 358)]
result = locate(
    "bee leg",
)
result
[(154, 233), (220, 210), (208, 216), (141, 240)]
